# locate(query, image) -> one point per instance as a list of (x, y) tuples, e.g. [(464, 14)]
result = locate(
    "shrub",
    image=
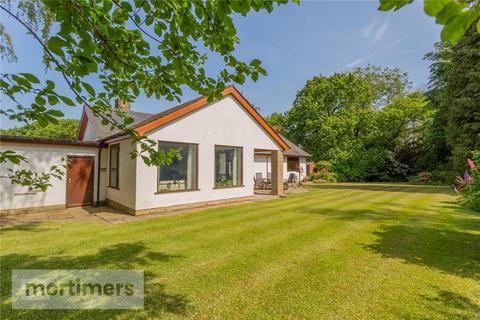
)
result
[(324, 165), (435, 177), (468, 186), (320, 178), (423, 177), (445, 177), (323, 174)]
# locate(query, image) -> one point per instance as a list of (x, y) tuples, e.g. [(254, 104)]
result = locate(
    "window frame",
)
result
[(297, 164), (117, 146), (215, 167), (196, 168)]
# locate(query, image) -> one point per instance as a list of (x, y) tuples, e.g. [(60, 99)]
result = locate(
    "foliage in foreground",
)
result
[(63, 129), (456, 16)]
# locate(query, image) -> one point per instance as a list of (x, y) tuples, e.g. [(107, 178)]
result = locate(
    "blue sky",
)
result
[(294, 43)]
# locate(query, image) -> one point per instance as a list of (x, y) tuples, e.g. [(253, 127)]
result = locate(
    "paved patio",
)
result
[(108, 215)]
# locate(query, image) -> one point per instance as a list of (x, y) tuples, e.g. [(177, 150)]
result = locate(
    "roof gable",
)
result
[(100, 129), (170, 115), (146, 122)]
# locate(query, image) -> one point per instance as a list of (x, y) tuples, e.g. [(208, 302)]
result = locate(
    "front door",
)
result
[(80, 181)]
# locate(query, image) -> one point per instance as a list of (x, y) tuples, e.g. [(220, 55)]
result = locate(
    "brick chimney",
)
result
[(124, 106)]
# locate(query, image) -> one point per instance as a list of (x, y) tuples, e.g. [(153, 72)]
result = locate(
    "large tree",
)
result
[(438, 152), (322, 97), (454, 94), (63, 129), (462, 99), (365, 122), (385, 84), (108, 49)]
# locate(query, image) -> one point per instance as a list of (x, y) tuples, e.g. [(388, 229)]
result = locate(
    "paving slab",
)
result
[(108, 215)]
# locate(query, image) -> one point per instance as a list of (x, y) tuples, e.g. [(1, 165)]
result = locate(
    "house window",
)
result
[(292, 164), (228, 166), (181, 175), (114, 165)]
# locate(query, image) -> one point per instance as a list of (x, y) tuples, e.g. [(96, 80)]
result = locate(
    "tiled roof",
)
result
[(295, 151), (104, 130)]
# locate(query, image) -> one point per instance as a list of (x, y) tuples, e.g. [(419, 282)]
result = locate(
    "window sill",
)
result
[(175, 191), (116, 188), (228, 187)]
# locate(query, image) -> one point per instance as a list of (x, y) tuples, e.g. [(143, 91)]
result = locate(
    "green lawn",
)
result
[(346, 251)]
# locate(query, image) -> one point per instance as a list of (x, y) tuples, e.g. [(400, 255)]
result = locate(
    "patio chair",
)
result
[(268, 181), (259, 183), (292, 179)]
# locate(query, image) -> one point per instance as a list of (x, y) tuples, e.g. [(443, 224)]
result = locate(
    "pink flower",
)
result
[(471, 164), (467, 178)]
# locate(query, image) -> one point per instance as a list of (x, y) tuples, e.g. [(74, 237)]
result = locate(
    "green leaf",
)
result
[(40, 100), (128, 120), (67, 101), (158, 29), (55, 113), (119, 16), (255, 63), (386, 5), (89, 89), (55, 44), (455, 28), (126, 6), (52, 100), (30, 77), (449, 11), (50, 85), (433, 7)]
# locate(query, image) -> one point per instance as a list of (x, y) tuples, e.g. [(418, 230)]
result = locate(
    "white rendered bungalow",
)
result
[(222, 145)]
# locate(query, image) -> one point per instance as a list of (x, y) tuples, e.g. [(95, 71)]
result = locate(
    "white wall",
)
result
[(89, 134), (262, 164), (41, 158), (303, 165), (125, 194), (224, 123)]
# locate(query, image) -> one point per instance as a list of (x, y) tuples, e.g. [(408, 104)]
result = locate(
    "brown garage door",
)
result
[(80, 181)]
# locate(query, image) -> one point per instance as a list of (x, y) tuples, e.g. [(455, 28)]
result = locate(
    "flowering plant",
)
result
[(468, 186)]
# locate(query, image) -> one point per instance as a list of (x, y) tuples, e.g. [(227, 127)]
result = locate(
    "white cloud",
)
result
[(375, 30), (356, 62), (381, 31), (365, 32), (353, 63)]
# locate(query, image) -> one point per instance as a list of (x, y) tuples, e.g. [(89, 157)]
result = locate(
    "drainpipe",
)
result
[(98, 173)]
